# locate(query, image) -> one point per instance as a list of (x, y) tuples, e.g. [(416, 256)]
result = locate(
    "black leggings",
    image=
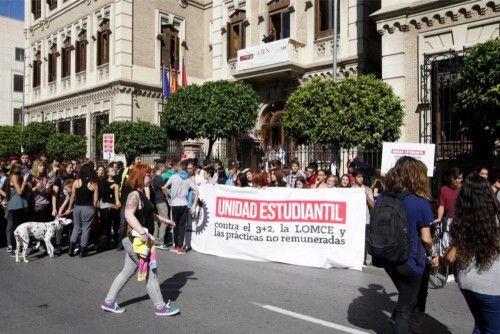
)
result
[(14, 219), (412, 288), (179, 216), (109, 218)]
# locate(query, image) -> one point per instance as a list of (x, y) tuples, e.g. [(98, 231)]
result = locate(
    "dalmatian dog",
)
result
[(40, 231)]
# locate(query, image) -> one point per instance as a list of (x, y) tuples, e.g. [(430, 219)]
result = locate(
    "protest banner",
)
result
[(391, 152), (321, 228)]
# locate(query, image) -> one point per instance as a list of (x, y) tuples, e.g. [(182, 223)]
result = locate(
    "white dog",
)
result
[(40, 231)]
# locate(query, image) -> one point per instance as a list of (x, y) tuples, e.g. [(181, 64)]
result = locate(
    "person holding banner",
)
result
[(411, 277), (140, 216)]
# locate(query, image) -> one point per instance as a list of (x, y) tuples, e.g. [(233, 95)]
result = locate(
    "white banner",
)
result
[(310, 227), (263, 55), (391, 152)]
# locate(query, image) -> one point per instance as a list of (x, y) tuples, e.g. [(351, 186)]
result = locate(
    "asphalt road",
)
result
[(215, 295)]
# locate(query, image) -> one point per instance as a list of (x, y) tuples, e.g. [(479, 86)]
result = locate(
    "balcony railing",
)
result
[(66, 83), (81, 78), (102, 72)]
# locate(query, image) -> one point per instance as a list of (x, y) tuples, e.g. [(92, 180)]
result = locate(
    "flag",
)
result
[(184, 74), (165, 83), (173, 81)]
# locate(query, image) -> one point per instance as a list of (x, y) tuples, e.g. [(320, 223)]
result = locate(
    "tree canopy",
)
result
[(10, 140), (136, 138), (34, 137), (66, 146), (357, 112), (214, 110), (478, 95)]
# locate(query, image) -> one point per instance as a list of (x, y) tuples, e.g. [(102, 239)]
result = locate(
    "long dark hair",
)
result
[(15, 169), (475, 228), (87, 173)]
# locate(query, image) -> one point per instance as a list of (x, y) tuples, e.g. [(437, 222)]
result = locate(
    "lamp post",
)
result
[(335, 11)]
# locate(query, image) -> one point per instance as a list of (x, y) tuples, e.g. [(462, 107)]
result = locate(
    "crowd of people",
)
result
[(109, 203)]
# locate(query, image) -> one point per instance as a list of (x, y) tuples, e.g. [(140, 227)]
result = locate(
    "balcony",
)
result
[(81, 78), (284, 56), (52, 88), (102, 72), (66, 83)]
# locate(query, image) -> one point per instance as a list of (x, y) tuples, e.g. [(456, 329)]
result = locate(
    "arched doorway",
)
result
[(271, 131)]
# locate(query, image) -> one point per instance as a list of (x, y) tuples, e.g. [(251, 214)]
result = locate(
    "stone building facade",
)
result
[(11, 70), (92, 62), (423, 44)]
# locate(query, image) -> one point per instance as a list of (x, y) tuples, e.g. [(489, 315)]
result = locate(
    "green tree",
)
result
[(214, 110), (478, 96), (358, 112), (136, 138), (66, 146), (10, 140), (34, 137)]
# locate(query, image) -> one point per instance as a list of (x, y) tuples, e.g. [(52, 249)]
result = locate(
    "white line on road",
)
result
[(310, 319)]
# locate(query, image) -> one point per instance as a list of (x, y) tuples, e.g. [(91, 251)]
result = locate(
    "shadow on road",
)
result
[(372, 309), (170, 288)]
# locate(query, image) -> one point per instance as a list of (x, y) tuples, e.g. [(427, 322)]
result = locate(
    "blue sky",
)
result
[(12, 8)]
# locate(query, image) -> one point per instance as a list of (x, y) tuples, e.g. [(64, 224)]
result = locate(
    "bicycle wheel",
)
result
[(439, 275)]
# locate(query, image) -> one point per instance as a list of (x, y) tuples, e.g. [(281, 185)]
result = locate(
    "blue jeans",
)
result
[(485, 310)]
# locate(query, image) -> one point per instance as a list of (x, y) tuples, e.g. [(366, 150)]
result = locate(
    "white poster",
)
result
[(108, 146), (263, 55), (391, 152), (310, 227)]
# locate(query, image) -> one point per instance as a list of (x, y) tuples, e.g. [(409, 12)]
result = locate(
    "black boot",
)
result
[(71, 251), (58, 250), (83, 251)]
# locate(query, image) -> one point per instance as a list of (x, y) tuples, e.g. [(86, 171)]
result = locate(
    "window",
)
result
[(18, 116), (79, 126), (66, 58), (18, 83), (103, 43), (64, 126), (52, 4), (324, 18), (52, 58), (279, 20), (36, 8), (169, 47), (81, 52), (37, 66), (236, 33), (19, 54)]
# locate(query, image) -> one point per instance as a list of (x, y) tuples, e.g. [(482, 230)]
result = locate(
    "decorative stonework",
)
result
[(409, 21), (103, 72)]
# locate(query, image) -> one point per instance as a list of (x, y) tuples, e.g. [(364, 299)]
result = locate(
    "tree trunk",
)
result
[(211, 143)]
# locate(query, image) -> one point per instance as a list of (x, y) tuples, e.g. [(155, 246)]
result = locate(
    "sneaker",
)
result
[(112, 307), (180, 251), (172, 249), (162, 246), (10, 251), (167, 310)]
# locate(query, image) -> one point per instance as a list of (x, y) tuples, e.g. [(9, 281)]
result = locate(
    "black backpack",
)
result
[(388, 236)]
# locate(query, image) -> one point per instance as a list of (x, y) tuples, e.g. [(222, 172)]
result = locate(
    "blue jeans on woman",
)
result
[(486, 312)]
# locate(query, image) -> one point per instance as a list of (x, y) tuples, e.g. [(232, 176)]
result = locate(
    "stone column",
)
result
[(192, 148)]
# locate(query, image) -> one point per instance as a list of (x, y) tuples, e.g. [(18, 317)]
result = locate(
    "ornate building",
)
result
[(92, 62), (423, 44)]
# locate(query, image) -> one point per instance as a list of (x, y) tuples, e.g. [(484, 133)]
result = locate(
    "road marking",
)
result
[(310, 319)]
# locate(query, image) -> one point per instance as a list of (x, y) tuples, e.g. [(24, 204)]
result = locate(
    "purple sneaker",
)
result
[(167, 310), (112, 307)]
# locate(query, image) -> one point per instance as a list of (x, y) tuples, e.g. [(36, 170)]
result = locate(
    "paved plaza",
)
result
[(215, 295)]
